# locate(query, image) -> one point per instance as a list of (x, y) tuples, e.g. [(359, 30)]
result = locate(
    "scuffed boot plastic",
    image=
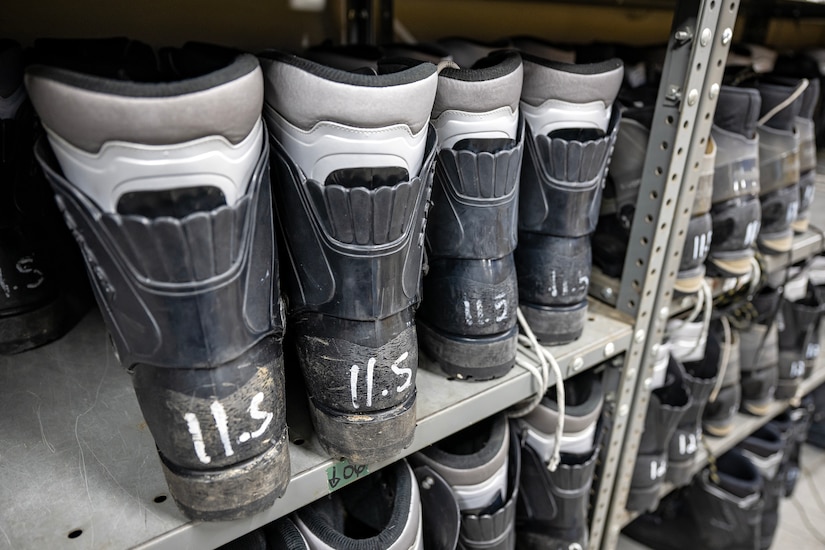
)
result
[(765, 448), (720, 412), (482, 465), (570, 129), (798, 326), (700, 378), (352, 185), (552, 507), (43, 286), (720, 510), (736, 211), (778, 163), (169, 199), (759, 355), (667, 406), (467, 318), (382, 510), (807, 154)]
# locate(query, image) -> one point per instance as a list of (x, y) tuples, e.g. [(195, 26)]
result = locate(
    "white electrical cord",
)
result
[(541, 356), (723, 367)]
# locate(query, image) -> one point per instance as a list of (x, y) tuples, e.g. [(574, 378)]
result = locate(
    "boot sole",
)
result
[(365, 438), (556, 325), (469, 358)]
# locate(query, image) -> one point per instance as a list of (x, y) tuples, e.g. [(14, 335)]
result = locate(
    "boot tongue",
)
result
[(737, 110)]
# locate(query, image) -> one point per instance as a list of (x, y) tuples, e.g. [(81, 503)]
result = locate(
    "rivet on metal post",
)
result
[(704, 39), (623, 410), (727, 35), (577, 364), (693, 96), (714, 90), (648, 383), (639, 336), (664, 313), (674, 93), (609, 348), (607, 292)]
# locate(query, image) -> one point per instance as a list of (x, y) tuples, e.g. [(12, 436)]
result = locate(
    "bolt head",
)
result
[(578, 364), (727, 35), (693, 97), (609, 348), (714, 90), (705, 37), (639, 336)]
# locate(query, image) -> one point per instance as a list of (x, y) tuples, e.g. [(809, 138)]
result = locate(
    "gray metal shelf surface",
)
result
[(79, 469)]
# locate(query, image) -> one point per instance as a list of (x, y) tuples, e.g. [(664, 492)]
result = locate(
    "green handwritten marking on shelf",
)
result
[(342, 473)]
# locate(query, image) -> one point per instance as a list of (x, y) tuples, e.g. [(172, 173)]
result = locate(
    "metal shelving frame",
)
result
[(696, 53)]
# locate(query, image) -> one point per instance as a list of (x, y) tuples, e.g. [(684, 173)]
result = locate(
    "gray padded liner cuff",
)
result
[(480, 95), (307, 98), (572, 83), (465, 472), (90, 111)]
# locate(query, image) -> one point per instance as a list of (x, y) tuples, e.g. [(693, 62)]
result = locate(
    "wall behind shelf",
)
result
[(249, 24)]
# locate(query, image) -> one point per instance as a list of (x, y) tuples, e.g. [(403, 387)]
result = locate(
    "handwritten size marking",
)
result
[(688, 444), (701, 245), (221, 423), (751, 231), (355, 370), (797, 369), (565, 289), (474, 312), (657, 469)]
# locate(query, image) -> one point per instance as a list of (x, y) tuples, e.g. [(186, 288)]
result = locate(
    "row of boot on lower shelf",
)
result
[(493, 485), (741, 356), (733, 503)]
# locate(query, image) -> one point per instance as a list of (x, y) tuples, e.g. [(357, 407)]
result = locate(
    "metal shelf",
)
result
[(76, 458)]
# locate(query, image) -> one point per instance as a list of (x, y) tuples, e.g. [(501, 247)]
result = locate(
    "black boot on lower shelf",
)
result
[(720, 510), (700, 379), (667, 406), (765, 448), (482, 466), (382, 510), (798, 324), (759, 355), (726, 396), (552, 505)]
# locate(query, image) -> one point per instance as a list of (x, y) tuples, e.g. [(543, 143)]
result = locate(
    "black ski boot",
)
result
[(759, 354), (720, 510), (167, 192), (798, 326), (382, 510), (736, 212), (552, 505), (765, 448), (700, 379), (778, 163), (43, 286), (354, 174), (667, 406), (570, 128), (467, 318), (723, 404), (483, 467)]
